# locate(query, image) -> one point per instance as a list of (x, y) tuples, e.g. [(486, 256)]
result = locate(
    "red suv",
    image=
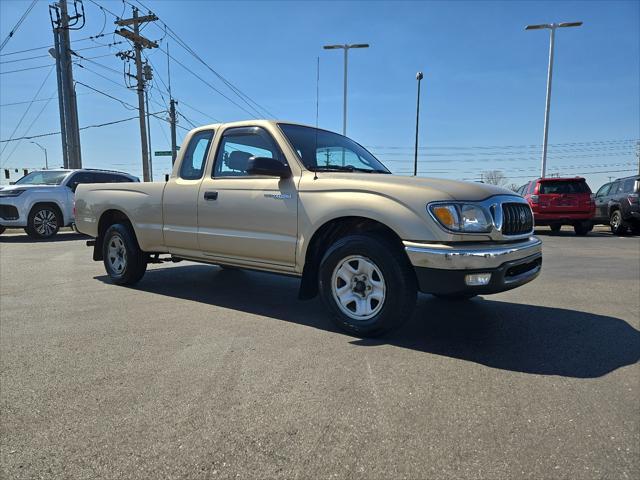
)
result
[(561, 201)]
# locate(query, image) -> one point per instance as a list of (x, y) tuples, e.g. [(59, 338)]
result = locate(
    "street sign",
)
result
[(164, 153)]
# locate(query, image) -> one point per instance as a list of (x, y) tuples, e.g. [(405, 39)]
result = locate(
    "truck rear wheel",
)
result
[(123, 260), (367, 284)]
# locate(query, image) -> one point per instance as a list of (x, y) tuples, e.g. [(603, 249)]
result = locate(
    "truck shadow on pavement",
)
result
[(24, 238), (498, 334)]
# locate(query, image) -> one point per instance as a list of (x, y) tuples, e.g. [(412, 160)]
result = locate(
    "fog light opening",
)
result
[(477, 279)]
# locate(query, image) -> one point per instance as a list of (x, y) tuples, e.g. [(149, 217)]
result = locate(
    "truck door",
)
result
[(243, 218), (180, 199)]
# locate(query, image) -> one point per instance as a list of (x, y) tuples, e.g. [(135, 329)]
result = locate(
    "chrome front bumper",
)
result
[(476, 256)]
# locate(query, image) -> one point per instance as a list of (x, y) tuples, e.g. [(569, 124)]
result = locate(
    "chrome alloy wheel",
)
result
[(358, 287), (45, 222), (117, 254), (616, 219)]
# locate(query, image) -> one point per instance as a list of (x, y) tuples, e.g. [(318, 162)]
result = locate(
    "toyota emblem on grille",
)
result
[(523, 217)]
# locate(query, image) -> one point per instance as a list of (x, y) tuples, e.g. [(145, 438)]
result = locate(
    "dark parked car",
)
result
[(561, 201), (617, 205)]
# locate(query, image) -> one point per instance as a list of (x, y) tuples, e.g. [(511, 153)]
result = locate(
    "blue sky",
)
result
[(484, 83)]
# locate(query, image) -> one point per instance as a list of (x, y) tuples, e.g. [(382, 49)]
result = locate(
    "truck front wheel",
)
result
[(367, 284), (123, 260)]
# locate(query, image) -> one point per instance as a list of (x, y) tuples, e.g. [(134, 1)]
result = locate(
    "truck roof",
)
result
[(247, 123)]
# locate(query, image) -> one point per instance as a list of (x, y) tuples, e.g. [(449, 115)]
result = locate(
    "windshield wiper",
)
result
[(344, 168), (333, 168)]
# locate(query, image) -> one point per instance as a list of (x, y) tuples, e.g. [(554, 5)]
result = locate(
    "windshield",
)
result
[(322, 150), (43, 178)]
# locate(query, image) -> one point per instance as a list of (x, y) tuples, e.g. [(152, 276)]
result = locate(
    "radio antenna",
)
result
[(315, 176)]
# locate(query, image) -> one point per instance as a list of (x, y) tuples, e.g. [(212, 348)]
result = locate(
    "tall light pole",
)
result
[(419, 77), (552, 28), (346, 48), (46, 160)]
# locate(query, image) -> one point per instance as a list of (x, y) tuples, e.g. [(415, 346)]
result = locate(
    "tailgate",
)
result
[(564, 196), (565, 202)]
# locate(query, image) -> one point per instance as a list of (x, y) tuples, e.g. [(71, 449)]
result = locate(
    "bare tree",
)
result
[(513, 186), (494, 177)]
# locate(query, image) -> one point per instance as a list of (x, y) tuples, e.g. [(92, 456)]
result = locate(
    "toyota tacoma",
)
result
[(296, 200)]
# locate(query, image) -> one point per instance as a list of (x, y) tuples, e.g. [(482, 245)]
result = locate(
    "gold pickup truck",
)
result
[(296, 200)]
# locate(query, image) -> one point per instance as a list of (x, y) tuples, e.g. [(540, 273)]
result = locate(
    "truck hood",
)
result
[(405, 188)]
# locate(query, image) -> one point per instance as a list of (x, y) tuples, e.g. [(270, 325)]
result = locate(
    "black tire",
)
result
[(583, 228), (618, 225), (43, 221), (555, 227), (123, 260), (455, 296), (398, 284)]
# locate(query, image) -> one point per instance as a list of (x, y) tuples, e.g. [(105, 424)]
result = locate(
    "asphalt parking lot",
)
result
[(204, 373)]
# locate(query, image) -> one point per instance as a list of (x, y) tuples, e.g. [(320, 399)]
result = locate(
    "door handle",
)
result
[(210, 195)]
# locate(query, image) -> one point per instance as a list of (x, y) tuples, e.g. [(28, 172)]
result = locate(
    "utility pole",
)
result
[(139, 42), (69, 126), (172, 120), (148, 76)]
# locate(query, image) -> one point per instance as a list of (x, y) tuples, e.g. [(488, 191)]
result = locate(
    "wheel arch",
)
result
[(49, 203), (327, 234), (107, 218)]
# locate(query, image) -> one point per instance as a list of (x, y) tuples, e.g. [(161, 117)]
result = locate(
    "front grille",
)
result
[(8, 212), (517, 219)]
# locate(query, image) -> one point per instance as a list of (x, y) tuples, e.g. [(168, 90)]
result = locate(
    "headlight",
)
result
[(11, 193), (462, 217)]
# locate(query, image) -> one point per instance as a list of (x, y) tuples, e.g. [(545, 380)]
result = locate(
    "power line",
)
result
[(492, 147), (243, 96), (126, 105), (100, 75), (35, 119), (17, 25), (81, 128), (207, 83), (27, 109), (48, 55), (25, 69), (182, 102), (51, 46), (104, 9)]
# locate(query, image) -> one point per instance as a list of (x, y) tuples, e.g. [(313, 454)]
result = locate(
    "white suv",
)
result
[(42, 201)]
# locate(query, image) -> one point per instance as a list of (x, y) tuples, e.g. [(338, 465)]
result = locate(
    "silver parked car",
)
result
[(42, 201)]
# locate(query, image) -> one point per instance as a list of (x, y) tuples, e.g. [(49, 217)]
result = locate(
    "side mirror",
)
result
[(267, 166)]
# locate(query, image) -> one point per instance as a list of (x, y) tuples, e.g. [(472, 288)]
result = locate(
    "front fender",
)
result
[(317, 208)]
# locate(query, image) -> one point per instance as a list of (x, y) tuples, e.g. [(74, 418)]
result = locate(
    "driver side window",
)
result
[(238, 146)]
